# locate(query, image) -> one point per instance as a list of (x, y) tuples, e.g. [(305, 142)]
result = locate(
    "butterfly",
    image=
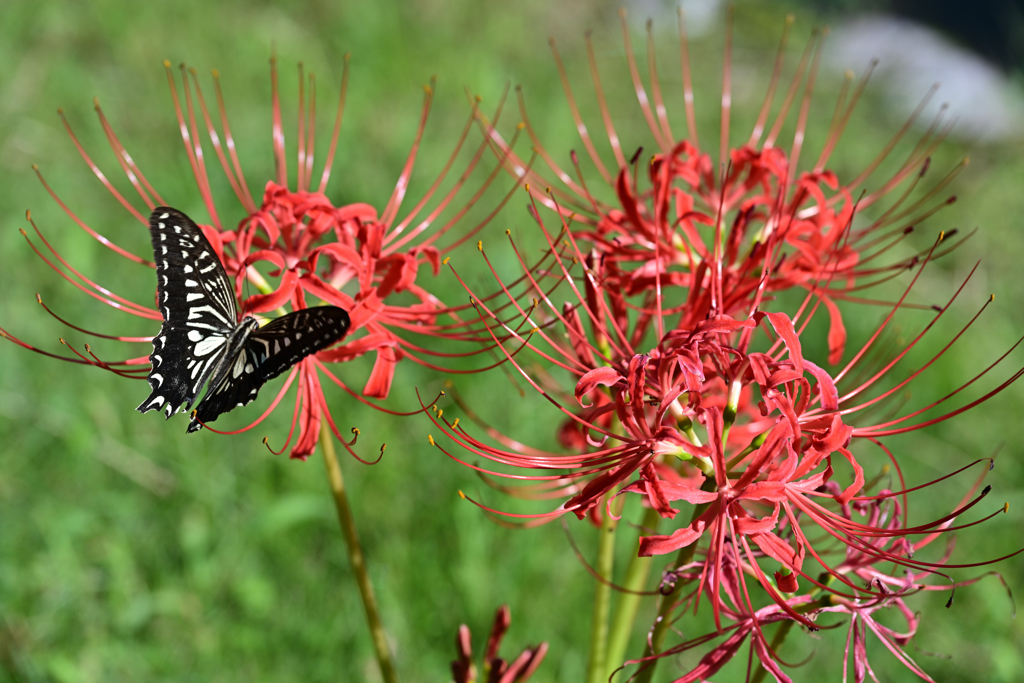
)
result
[(202, 340)]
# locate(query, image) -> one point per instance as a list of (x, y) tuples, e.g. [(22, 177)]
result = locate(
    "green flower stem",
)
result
[(664, 619), (625, 612), (598, 662), (355, 555)]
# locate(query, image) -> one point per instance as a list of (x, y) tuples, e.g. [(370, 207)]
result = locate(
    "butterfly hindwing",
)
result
[(269, 351), (197, 301)]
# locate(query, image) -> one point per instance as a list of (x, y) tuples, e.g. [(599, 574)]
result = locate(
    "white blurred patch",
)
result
[(701, 15), (989, 106)]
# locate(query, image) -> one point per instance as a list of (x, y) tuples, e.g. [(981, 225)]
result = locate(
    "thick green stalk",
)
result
[(355, 556), (664, 619), (629, 603), (598, 663)]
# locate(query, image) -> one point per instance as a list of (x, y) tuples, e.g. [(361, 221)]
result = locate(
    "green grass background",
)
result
[(129, 551)]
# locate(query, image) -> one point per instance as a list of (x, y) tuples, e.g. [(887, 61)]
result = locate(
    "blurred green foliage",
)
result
[(129, 551)]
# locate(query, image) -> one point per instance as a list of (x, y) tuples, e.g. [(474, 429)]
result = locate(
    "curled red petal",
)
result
[(262, 303), (604, 375)]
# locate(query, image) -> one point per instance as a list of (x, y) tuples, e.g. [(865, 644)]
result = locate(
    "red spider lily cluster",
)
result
[(688, 382), (353, 256), (666, 323)]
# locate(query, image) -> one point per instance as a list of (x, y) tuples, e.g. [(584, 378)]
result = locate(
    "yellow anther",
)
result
[(167, 64), (264, 441), (462, 495), (508, 232), (991, 298), (440, 413), (479, 245), (430, 438), (446, 260), (442, 393), (527, 187), (39, 298), (456, 423), (355, 430), (215, 73), (521, 125)]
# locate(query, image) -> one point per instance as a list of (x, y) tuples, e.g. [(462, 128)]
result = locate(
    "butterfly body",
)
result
[(202, 342)]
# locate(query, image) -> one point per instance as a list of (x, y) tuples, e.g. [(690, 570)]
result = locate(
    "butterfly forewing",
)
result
[(198, 306), (267, 353)]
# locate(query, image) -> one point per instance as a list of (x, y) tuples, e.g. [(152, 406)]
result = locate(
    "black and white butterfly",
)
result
[(203, 342)]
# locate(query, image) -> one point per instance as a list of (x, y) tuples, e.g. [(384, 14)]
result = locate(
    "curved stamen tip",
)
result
[(508, 232), (355, 430), (430, 438), (167, 64), (446, 260)]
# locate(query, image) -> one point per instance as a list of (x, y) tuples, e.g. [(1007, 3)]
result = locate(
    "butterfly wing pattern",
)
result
[(267, 352), (201, 338)]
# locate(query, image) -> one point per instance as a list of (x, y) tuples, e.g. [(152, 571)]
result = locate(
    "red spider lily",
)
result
[(366, 261), (495, 669), (879, 586), (731, 234)]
